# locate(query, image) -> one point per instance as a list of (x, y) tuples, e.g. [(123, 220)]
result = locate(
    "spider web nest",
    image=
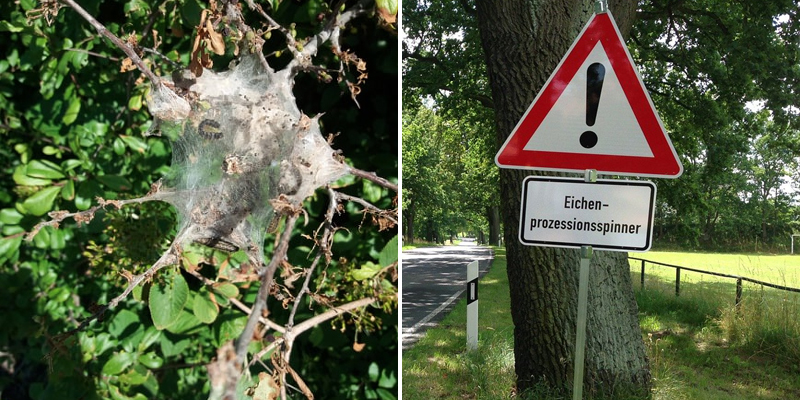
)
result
[(242, 152)]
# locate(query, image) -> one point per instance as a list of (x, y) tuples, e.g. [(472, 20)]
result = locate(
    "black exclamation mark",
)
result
[(594, 85)]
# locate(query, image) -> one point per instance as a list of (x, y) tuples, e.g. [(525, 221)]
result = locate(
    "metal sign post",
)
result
[(590, 175), (472, 306), (580, 333)]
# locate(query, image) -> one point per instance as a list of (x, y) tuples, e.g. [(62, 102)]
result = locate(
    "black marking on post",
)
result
[(472, 291)]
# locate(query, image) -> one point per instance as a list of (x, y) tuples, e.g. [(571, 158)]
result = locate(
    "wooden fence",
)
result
[(739, 279)]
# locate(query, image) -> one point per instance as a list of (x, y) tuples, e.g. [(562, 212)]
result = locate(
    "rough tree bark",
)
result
[(493, 215), (523, 42)]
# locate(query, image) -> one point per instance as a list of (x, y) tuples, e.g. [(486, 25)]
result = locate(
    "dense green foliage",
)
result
[(73, 125), (725, 79), (447, 177)]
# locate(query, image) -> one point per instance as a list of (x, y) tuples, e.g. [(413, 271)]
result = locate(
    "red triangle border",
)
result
[(664, 163)]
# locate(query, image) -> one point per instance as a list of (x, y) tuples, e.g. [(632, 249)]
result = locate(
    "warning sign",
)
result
[(593, 113)]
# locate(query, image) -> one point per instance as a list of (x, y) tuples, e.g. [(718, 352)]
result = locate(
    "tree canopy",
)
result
[(721, 74)]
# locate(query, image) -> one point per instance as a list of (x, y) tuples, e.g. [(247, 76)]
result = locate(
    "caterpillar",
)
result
[(210, 129)]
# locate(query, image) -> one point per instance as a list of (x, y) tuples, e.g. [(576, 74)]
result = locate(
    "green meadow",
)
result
[(700, 345)]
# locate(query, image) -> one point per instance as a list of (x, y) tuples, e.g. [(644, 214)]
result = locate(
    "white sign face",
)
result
[(614, 215)]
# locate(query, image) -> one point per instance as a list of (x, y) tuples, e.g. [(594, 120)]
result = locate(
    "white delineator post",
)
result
[(472, 306)]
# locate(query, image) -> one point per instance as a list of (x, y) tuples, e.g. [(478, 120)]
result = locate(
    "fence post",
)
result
[(642, 277), (677, 282), (738, 293)]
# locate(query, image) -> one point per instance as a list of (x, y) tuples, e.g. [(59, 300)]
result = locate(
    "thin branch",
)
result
[(86, 215), (170, 257), (367, 205), (323, 249), (237, 303), (371, 176), (95, 54), (263, 292), (331, 30), (332, 313), (114, 39)]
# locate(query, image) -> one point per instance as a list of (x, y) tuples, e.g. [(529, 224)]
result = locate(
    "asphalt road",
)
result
[(433, 279)]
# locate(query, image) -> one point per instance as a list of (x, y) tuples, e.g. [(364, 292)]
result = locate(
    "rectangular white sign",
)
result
[(614, 215)]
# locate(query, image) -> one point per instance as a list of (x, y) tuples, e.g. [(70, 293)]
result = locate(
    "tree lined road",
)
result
[(433, 279)]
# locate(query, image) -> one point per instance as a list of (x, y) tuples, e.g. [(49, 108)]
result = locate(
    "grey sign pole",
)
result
[(583, 305), (580, 333)]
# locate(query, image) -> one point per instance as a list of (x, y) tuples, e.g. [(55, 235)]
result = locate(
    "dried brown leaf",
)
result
[(215, 41)]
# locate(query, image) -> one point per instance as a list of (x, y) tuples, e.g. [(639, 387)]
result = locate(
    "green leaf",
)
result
[(10, 216), (86, 193), (167, 299), (366, 271), (135, 102), (372, 191), (226, 289), (151, 360), (231, 328), (122, 321), (389, 253), (116, 394), (114, 182), (118, 362), (71, 164), (44, 169), (6, 26), (42, 201), (21, 178), (384, 394), (9, 247), (72, 112), (150, 336), (134, 143), (68, 190), (59, 294), (169, 348), (185, 322), (133, 378), (204, 309), (373, 371)]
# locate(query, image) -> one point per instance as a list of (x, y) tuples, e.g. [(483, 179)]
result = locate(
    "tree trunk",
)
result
[(523, 42), (409, 222), (493, 215)]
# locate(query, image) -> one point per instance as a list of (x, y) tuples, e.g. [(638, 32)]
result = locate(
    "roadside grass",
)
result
[(438, 366), (698, 344), (701, 346)]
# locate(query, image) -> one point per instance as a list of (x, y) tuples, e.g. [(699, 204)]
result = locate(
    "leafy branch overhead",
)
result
[(247, 163)]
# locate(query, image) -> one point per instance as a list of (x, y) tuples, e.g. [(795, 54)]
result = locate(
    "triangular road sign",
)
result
[(593, 113)]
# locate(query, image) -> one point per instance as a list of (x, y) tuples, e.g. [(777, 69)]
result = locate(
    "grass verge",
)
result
[(699, 345), (438, 366)]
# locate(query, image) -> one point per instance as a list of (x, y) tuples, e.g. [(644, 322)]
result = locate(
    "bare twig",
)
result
[(289, 336), (371, 176), (170, 257), (323, 249), (101, 29), (83, 216), (208, 282), (263, 292), (331, 31), (367, 205)]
